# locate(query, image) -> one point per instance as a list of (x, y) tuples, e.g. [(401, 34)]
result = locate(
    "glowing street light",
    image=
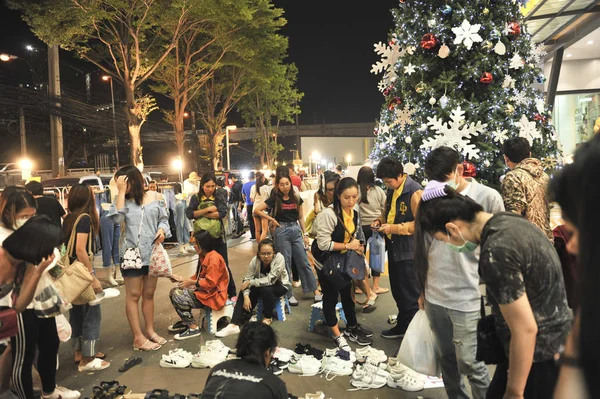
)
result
[(227, 130), (177, 164), (7, 57), (349, 159), (26, 166)]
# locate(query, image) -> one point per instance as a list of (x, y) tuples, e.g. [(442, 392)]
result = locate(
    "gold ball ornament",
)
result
[(486, 11), (509, 109), (488, 45), (421, 87)]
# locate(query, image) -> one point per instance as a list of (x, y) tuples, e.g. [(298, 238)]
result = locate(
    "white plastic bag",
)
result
[(63, 327), (417, 350), (160, 264)]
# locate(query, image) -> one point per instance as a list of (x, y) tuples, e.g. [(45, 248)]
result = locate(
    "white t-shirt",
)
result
[(265, 192), (4, 233)]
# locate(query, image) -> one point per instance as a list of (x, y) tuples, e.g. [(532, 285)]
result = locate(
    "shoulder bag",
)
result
[(489, 347), (132, 258), (74, 280)]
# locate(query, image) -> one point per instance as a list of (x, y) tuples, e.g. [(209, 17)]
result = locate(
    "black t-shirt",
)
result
[(236, 192), (50, 207), (517, 258), (237, 378), (84, 226), (289, 209)]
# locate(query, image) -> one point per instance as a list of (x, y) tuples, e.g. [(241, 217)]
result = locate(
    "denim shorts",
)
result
[(135, 272)]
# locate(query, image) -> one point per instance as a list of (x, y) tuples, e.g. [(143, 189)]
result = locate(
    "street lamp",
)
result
[(107, 78), (349, 159), (227, 129), (316, 157), (177, 164)]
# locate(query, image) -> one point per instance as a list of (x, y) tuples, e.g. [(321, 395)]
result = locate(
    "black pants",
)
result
[(250, 216), (368, 232), (222, 250), (238, 226), (403, 283), (295, 274), (540, 382), (268, 294), (34, 333), (330, 300)]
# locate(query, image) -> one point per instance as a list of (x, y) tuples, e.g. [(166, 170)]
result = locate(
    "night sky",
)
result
[(331, 42)]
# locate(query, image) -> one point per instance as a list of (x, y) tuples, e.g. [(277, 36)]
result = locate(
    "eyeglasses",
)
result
[(266, 254)]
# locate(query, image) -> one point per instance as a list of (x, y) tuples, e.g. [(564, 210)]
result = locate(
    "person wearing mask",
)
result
[(290, 234), (338, 231), (207, 288), (524, 285), (85, 319), (46, 205), (235, 199), (259, 193), (372, 207), (211, 203), (247, 199), (524, 186), (265, 279), (450, 284), (35, 334), (575, 189), (248, 374), (296, 181), (146, 222), (398, 226)]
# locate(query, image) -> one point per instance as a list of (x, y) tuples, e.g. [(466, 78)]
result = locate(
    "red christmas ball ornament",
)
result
[(538, 118), (429, 41), (395, 101), (469, 169), (387, 90), (486, 78), (514, 29)]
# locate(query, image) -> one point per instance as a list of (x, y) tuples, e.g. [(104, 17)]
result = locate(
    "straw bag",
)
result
[(74, 280)]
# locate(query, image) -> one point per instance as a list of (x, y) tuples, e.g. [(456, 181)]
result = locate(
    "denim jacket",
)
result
[(155, 217)]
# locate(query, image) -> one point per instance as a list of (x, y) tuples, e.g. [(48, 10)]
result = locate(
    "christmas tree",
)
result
[(460, 74)]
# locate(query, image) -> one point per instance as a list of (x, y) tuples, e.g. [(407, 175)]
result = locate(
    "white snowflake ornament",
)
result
[(390, 140), (381, 86), (467, 34), (540, 105), (410, 69), (520, 98), (455, 134), (528, 129), (390, 54), (508, 82), (500, 136), (537, 52), (403, 117), (516, 62)]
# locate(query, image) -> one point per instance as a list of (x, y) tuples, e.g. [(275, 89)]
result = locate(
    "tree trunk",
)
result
[(179, 136), (134, 123)]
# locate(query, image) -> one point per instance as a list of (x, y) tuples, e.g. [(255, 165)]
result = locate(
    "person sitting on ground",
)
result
[(207, 288), (237, 378), (266, 279)]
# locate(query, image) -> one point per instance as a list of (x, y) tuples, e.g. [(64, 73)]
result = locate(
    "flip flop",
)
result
[(131, 362), (370, 306), (147, 346), (157, 339)]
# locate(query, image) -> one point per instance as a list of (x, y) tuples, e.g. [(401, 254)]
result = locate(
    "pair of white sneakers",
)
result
[(334, 366), (369, 376), (177, 358), (283, 354), (305, 365), (210, 354), (373, 355), (403, 377)]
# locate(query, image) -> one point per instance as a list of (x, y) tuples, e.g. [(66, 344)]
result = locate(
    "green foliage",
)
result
[(458, 77)]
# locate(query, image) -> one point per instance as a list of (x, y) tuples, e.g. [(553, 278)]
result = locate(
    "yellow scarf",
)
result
[(392, 214), (349, 223)]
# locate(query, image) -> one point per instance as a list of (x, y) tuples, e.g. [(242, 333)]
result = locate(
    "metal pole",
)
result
[(112, 98), (227, 143), (22, 133)]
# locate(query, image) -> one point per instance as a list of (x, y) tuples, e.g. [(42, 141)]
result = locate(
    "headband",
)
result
[(434, 189)]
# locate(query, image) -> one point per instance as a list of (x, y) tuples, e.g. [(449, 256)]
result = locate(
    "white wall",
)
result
[(338, 147), (575, 75)]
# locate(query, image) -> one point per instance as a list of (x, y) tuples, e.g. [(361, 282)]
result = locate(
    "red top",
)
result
[(296, 181), (212, 281)]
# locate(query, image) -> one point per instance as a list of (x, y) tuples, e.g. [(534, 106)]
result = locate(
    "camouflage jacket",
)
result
[(524, 193)]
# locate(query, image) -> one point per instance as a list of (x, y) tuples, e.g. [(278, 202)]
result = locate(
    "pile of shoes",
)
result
[(164, 394), (177, 358), (307, 349), (305, 365), (210, 354), (109, 390)]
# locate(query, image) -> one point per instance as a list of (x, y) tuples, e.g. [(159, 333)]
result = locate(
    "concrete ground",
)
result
[(116, 342)]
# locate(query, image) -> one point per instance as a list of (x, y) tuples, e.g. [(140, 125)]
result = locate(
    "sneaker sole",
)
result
[(367, 385), (392, 336), (170, 365), (305, 374), (179, 338), (199, 365), (394, 384), (356, 341)]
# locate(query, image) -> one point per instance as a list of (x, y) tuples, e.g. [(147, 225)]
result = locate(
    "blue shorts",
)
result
[(135, 272)]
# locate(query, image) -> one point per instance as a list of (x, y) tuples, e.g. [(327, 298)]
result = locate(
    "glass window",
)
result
[(574, 117)]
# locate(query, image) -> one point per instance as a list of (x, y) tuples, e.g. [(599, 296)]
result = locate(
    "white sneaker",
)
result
[(363, 379), (174, 362), (316, 395), (342, 344), (296, 284), (62, 392), (218, 345), (283, 354), (99, 298), (304, 365), (208, 357), (373, 369), (182, 354), (231, 329), (397, 370), (406, 382), (182, 249), (375, 355), (335, 366)]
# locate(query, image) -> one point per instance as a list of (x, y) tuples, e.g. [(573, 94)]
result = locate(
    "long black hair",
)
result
[(432, 217), (260, 181), (340, 187), (577, 191), (207, 177), (279, 195), (14, 203), (365, 180), (326, 178), (135, 182), (254, 341)]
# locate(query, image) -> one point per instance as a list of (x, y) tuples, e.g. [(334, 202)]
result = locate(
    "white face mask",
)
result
[(452, 183), (20, 222)]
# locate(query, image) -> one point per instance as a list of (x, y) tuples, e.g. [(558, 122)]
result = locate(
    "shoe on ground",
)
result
[(304, 365), (397, 369), (94, 365), (274, 368), (182, 250), (342, 354), (62, 393), (231, 329), (406, 382), (336, 367), (296, 284), (355, 335), (363, 379), (111, 281), (366, 332), (99, 298), (208, 357), (189, 333), (293, 301), (367, 352), (393, 333), (217, 345), (283, 354), (180, 326), (374, 369), (342, 344), (317, 395), (182, 354), (308, 350), (174, 362)]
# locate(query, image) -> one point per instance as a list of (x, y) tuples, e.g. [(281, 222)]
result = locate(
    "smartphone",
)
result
[(154, 241)]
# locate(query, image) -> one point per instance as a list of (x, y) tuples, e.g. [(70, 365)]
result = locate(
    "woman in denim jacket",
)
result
[(145, 217)]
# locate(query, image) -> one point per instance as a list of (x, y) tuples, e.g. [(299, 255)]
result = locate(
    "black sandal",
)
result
[(131, 362)]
